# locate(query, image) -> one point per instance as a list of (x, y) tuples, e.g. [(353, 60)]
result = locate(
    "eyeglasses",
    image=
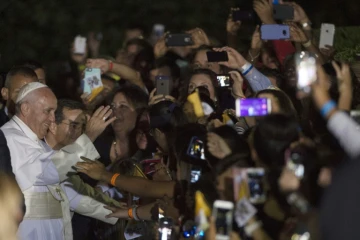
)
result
[(76, 126)]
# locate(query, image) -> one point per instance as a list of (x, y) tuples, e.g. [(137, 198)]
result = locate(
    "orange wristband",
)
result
[(111, 65), (130, 213), (113, 179)]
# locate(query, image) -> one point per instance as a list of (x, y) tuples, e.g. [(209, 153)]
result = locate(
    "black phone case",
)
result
[(283, 12), (217, 56), (242, 15), (178, 40), (163, 86)]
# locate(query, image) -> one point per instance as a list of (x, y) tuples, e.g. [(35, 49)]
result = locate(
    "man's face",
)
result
[(10, 94), (71, 127), (41, 75), (41, 111)]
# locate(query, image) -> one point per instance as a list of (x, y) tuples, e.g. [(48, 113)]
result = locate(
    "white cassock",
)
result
[(39, 172)]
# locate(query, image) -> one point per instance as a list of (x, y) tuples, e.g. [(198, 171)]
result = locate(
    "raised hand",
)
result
[(320, 88), (256, 42), (103, 64), (93, 169), (297, 34), (300, 15), (264, 9), (160, 47), (217, 146), (328, 52), (154, 99), (344, 85), (238, 84), (199, 37), (98, 122), (231, 26), (236, 60)]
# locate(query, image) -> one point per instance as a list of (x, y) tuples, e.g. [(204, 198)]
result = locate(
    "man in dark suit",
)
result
[(15, 79)]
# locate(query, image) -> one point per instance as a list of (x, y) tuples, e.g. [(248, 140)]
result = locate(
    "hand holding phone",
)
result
[(327, 34), (92, 83), (253, 107), (223, 214), (274, 32), (163, 85), (213, 56), (179, 40)]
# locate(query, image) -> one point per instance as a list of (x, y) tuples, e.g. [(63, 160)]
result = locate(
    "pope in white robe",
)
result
[(40, 170)]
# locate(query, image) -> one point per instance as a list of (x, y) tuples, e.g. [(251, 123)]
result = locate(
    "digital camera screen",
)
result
[(195, 175), (223, 80), (196, 149), (255, 185), (252, 107)]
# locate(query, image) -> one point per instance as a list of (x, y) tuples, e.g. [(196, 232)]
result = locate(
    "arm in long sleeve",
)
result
[(283, 49), (257, 80), (34, 166), (347, 131)]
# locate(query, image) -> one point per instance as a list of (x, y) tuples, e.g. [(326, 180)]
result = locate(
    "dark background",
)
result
[(44, 29)]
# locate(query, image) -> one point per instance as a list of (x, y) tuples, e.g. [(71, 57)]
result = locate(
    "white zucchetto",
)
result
[(28, 88)]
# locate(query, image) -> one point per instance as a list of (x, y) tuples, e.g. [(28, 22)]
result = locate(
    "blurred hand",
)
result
[(328, 52), (93, 169), (264, 9), (154, 99), (94, 44), (160, 47), (231, 26), (344, 85), (121, 213), (288, 181), (320, 88), (103, 64), (299, 13), (256, 42), (238, 84), (217, 146), (236, 60), (199, 37), (296, 33), (98, 122)]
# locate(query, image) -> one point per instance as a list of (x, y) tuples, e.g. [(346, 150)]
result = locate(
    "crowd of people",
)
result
[(163, 152)]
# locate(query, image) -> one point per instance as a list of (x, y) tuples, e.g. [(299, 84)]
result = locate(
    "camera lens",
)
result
[(284, 32)]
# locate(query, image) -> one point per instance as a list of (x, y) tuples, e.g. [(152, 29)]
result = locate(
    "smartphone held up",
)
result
[(253, 107), (306, 69)]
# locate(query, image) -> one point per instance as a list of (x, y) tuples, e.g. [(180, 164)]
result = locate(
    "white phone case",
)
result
[(223, 205), (327, 34)]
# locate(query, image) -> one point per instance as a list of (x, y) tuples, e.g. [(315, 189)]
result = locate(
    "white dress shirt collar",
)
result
[(26, 130)]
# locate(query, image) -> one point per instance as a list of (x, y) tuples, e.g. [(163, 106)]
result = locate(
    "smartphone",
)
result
[(223, 214), (305, 64), (294, 163), (179, 40), (252, 107), (327, 33), (92, 83), (196, 148), (274, 32), (355, 114), (238, 15), (213, 56), (158, 30), (163, 85), (255, 178), (223, 80), (195, 174), (80, 45), (283, 12), (165, 228)]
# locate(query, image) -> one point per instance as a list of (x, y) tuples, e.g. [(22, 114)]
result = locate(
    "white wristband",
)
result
[(245, 67), (251, 228)]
